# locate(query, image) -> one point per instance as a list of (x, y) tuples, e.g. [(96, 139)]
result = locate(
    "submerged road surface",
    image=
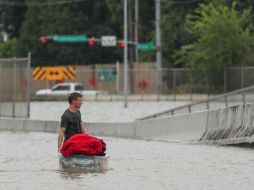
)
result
[(29, 161)]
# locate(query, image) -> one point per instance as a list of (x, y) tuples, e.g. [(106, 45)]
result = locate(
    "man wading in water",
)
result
[(71, 122)]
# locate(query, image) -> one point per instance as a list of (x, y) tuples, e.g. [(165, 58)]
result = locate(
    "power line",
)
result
[(19, 4)]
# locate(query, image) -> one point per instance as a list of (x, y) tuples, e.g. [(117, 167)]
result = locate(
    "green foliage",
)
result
[(146, 25), (12, 17), (116, 12), (89, 18), (214, 35), (8, 49), (222, 36), (174, 35)]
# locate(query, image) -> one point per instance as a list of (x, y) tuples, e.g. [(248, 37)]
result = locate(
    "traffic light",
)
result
[(43, 40), (122, 44), (91, 42)]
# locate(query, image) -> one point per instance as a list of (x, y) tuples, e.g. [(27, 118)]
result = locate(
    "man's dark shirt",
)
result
[(71, 121)]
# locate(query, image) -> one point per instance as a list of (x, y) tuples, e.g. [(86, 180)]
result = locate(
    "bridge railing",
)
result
[(236, 97)]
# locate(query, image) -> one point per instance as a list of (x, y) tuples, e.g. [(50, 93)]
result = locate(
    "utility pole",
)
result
[(3, 33), (158, 42), (131, 46), (125, 55), (136, 30), (130, 23)]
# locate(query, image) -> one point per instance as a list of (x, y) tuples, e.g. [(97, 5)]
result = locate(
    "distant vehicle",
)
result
[(67, 88)]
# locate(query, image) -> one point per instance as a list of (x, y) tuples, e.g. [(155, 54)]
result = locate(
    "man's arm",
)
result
[(83, 128), (61, 137)]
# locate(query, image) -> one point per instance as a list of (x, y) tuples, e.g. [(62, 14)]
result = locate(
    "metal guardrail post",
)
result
[(189, 109), (1, 90), (207, 104), (226, 101), (14, 86), (159, 84), (244, 98), (225, 81), (28, 83), (174, 84), (190, 84), (242, 77)]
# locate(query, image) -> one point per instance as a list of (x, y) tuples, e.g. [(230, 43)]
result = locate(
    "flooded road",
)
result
[(29, 161)]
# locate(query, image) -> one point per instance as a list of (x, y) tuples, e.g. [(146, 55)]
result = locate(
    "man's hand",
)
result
[(59, 154), (60, 138), (83, 128)]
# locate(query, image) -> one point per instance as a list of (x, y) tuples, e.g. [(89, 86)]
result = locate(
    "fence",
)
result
[(15, 87), (175, 84)]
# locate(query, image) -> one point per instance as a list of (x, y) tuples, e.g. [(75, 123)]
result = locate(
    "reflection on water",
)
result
[(74, 173), (29, 161)]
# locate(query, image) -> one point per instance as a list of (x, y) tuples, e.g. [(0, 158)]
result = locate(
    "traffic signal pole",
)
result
[(136, 30), (158, 43), (125, 56)]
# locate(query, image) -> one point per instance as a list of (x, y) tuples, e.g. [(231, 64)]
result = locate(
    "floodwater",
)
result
[(29, 161), (101, 111)]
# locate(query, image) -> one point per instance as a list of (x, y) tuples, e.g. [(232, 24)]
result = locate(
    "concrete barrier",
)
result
[(187, 127), (232, 125), (26, 125), (178, 128)]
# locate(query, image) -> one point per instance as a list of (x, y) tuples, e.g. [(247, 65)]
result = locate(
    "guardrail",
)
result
[(237, 97)]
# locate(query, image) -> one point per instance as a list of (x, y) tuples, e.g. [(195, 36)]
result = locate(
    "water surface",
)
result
[(29, 161)]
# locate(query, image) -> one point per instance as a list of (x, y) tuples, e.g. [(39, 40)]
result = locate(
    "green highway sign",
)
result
[(146, 46), (107, 74), (70, 38)]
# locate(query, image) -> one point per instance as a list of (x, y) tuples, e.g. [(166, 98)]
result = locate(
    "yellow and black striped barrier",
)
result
[(54, 73)]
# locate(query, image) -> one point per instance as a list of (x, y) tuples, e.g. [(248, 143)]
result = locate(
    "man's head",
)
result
[(75, 99)]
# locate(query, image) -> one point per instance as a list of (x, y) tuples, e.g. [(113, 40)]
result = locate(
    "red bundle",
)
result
[(83, 144)]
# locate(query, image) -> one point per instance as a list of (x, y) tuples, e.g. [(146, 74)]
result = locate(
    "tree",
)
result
[(174, 35), (12, 14), (222, 36), (8, 49), (146, 25), (89, 18)]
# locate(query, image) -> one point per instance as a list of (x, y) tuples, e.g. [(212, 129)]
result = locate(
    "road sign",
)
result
[(142, 85), (146, 46), (93, 81), (54, 73), (107, 74), (108, 41), (70, 38)]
